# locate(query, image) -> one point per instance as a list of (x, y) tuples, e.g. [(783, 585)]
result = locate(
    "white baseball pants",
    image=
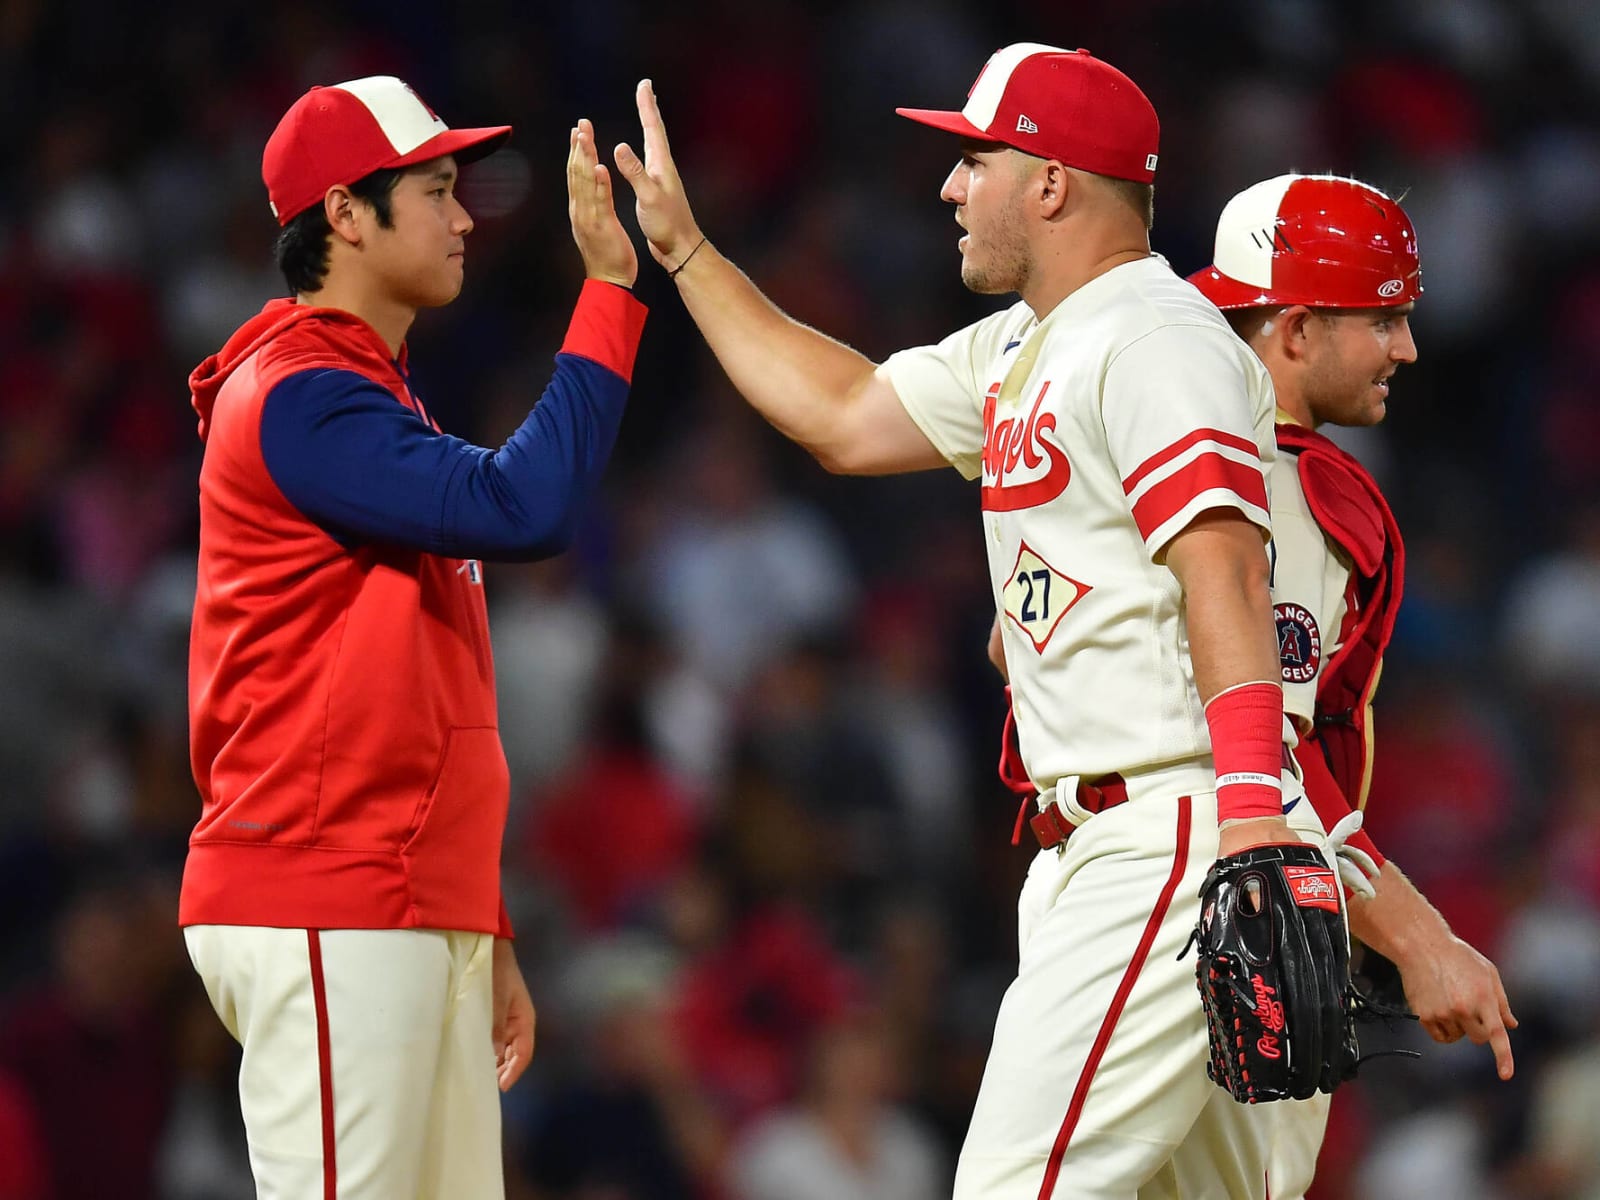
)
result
[(369, 1068), (1095, 1087)]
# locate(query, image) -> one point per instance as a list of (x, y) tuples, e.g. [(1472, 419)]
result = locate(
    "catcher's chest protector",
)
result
[(1346, 502)]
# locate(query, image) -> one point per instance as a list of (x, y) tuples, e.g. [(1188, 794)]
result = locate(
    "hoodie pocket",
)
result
[(453, 851)]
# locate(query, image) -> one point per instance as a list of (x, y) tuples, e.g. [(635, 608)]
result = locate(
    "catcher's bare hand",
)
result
[(1456, 992), (607, 250), (663, 210)]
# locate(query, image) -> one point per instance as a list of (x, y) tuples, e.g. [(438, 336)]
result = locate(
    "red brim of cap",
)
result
[(950, 122), (468, 145), (1228, 293)]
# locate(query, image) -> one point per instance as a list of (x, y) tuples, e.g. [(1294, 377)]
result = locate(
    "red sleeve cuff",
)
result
[(605, 328)]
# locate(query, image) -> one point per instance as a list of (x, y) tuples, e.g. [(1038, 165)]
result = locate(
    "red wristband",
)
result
[(1246, 725)]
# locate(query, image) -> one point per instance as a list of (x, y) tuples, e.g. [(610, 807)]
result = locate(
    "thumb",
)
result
[(629, 163)]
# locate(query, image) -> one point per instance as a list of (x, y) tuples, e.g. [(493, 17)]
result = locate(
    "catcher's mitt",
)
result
[(1274, 973)]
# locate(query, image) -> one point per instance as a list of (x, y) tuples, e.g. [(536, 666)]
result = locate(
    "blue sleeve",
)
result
[(365, 467)]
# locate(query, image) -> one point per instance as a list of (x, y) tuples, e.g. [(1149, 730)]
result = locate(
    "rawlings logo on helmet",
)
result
[(1392, 288)]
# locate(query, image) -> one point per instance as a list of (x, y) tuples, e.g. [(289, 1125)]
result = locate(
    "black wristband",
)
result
[(673, 274)]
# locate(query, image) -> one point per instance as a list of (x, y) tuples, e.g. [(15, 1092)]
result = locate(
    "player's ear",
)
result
[(1053, 182), (339, 206), (1294, 326)]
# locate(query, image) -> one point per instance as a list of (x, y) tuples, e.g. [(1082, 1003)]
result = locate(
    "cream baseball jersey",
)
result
[(1310, 591), (1099, 432)]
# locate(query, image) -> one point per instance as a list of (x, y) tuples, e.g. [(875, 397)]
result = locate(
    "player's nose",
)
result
[(461, 221), (955, 185), (1403, 348)]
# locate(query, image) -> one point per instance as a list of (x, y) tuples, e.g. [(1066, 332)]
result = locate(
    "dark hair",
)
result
[(1247, 322), (302, 247), (1141, 197)]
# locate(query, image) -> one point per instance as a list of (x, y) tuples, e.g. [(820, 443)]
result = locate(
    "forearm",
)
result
[(1221, 564), (1397, 922), (1229, 614), (799, 379)]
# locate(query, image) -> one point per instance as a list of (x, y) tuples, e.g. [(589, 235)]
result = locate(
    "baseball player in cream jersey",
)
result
[(1119, 430), (1319, 274)]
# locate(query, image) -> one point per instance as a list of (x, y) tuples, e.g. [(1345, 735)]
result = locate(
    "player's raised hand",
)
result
[(664, 215), (607, 250)]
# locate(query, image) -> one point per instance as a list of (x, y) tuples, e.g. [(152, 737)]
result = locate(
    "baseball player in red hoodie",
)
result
[(341, 899), (1319, 274)]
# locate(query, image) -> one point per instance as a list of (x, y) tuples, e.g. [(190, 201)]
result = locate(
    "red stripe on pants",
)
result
[(319, 998), (1129, 976)]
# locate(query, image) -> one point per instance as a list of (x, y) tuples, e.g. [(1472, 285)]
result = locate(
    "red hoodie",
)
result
[(343, 727)]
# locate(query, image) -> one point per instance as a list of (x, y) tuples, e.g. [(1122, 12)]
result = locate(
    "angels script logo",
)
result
[(1016, 447)]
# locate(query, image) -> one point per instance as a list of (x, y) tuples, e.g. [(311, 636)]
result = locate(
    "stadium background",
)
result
[(758, 857)]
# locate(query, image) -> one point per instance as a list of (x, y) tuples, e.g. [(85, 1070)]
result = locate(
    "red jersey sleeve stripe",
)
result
[(1161, 457), (605, 327), (1206, 473)]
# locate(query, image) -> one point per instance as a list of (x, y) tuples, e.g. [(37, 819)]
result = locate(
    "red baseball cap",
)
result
[(1319, 240), (1062, 104), (339, 134)]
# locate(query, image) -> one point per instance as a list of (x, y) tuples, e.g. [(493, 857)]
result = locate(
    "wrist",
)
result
[(1246, 725), (695, 248)]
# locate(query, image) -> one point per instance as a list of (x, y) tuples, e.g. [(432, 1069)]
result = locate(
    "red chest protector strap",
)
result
[(1346, 502)]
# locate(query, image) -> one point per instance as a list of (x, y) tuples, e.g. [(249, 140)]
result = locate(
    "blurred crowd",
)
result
[(758, 858)]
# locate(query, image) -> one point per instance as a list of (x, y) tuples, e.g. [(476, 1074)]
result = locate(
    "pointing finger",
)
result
[(1504, 1064)]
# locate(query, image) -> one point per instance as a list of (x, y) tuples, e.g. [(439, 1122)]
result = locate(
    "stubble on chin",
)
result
[(994, 280)]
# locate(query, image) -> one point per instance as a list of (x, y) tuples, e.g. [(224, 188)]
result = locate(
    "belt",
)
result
[(1051, 827)]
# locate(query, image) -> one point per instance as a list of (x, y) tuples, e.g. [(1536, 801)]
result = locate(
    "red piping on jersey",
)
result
[(1180, 856), (319, 999), (1162, 457)]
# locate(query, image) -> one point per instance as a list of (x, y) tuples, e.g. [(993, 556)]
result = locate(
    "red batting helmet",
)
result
[(1318, 240)]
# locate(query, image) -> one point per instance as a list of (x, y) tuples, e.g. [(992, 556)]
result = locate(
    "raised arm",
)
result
[(816, 391)]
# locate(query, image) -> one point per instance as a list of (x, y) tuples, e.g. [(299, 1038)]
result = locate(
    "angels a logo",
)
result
[(1299, 643), (1015, 447)]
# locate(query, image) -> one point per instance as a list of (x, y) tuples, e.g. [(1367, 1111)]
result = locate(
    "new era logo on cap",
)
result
[(339, 134), (1062, 104)]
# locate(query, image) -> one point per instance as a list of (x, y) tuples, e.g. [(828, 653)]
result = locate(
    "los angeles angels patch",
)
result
[(1299, 643)]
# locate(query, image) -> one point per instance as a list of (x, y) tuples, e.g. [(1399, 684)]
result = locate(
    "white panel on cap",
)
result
[(400, 113), (985, 99), (1245, 230)]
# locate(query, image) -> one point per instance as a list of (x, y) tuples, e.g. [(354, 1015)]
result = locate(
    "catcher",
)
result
[(1319, 275)]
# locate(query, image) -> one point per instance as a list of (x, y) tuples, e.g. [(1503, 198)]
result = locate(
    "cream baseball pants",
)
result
[(369, 1067), (1095, 1086)]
